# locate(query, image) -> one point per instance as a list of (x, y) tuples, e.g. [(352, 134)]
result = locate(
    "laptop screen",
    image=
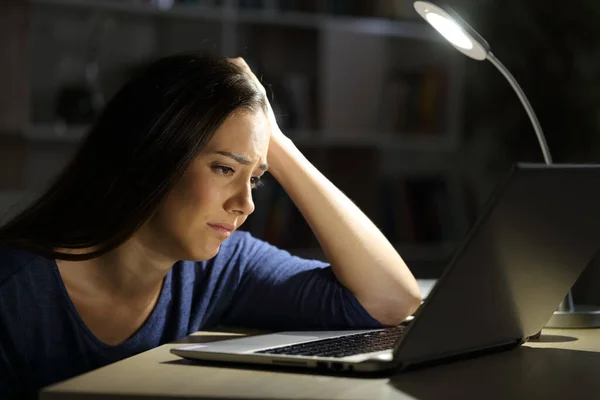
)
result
[(539, 230)]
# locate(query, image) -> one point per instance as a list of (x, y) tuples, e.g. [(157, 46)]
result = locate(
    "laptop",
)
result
[(539, 230)]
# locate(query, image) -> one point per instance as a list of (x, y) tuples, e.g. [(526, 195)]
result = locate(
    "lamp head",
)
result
[(464, 38)]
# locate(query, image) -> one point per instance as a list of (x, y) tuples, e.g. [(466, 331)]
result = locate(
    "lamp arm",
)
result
[(525, 102)]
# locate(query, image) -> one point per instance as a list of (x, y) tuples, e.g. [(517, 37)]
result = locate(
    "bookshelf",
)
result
[(370, 94)]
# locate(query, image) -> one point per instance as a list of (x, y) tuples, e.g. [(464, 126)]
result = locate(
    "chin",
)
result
[(204, 254)]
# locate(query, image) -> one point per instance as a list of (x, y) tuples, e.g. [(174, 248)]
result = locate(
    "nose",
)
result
[(241, 202)]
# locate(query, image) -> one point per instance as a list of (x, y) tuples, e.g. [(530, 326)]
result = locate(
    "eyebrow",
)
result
[(241, 159)]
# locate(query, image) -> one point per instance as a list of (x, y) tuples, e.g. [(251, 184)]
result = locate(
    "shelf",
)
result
[(137, 7), (410, 252), (436, 143), (390, 142), (278, 18), (365, 25), (381, 27), (55, 133)]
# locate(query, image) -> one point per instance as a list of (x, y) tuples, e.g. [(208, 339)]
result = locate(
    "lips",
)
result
[(223, 230), (224, 226)]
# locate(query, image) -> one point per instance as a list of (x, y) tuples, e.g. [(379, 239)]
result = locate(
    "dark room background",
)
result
[(414, 132)]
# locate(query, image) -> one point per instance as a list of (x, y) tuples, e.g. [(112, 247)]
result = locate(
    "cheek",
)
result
[(194, 200)]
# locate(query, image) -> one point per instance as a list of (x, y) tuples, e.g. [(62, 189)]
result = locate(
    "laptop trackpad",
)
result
[(252, 343)]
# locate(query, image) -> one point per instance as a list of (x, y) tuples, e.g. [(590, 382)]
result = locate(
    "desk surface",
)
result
[(562, 364)]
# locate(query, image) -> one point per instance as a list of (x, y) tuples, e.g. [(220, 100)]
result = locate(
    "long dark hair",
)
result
[(133, 155)]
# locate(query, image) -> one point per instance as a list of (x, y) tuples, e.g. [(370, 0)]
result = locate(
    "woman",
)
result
[(92, 272)]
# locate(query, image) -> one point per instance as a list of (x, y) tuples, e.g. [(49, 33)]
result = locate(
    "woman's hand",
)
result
[(240, 62), (276, 133)]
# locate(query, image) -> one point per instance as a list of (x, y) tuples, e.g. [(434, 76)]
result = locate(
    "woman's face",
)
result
[(214, 196)]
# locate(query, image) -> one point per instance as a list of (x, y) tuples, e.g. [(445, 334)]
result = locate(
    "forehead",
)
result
[(243, 132)]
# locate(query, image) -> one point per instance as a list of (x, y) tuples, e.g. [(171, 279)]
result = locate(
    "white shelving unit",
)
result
[(345, 58), (334, 31)]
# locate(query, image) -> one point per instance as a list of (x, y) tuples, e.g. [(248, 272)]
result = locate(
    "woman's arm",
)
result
[(361, 257)]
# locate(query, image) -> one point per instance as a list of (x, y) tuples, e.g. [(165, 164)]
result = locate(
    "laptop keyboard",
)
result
[(343, 346)]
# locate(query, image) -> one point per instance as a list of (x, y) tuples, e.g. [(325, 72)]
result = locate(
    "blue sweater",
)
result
[(249, 283)]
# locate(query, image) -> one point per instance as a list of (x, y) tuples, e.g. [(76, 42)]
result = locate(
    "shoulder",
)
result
[(244, 255), (12, 261), (243, 248), (247, 253)]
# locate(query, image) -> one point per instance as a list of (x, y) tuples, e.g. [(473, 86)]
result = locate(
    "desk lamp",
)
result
[(466, 40)]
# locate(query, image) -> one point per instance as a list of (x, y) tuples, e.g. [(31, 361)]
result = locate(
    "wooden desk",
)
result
[(563, 364)]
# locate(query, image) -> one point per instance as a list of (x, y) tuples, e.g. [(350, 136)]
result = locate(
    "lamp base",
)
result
[(580, 316)]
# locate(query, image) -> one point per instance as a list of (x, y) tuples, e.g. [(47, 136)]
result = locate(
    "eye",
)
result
[(256, 182), (223, 170)]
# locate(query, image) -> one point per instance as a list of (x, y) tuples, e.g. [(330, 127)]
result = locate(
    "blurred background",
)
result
[(417, 134)]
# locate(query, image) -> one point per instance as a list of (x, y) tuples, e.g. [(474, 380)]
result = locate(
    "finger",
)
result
[(236, 61), (240, 62)]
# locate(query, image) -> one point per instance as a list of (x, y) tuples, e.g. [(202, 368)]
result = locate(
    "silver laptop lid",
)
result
[(519, 260)]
